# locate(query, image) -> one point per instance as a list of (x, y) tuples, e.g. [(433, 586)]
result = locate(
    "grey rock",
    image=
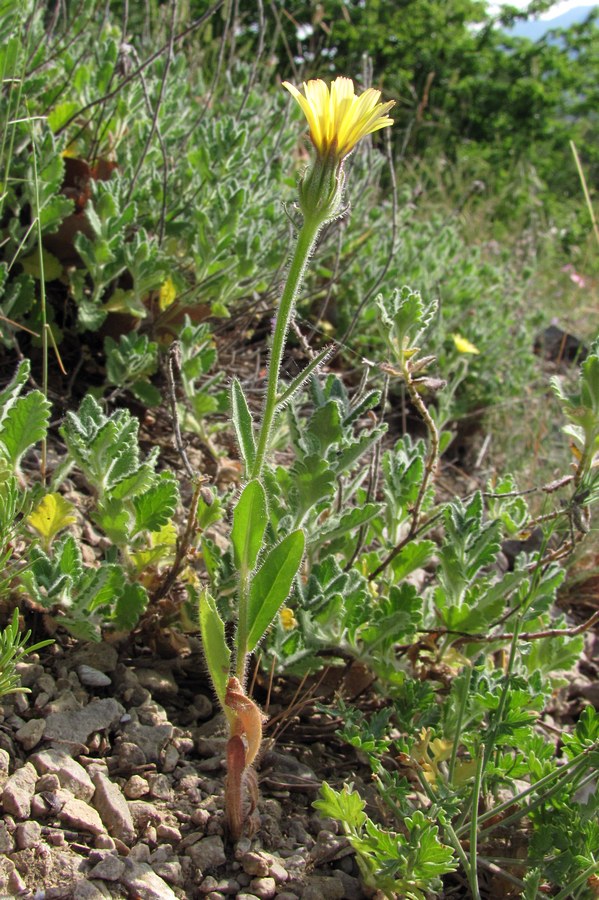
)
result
[(208, 853), (170, 758), (352, 888), (319, 887), (108, 869), (151, 713), (4, 762), (76, 726), (170, 870), (160, 787), (49, 782), (128, 756), (90, 890), (80, 816), (71, 775), (159, 682), (113, 808), (150, 738), (67, 701), (93, 677), (31, 733), (168, 833), (18, 791), (27, 834), (29, 673), (141, 881), (102, 656), (143, 813), (203, 706), (46, 684), (7, 844)]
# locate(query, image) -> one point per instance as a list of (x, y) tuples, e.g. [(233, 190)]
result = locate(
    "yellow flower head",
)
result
[(338, 118), (463, 345), (287, 619)]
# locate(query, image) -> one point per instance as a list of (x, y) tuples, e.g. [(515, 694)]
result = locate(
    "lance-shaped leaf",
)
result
[(216, 650), (271, 585), (243, 423), (249, 523)]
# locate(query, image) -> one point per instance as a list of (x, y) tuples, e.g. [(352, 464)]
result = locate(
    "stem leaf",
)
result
[(249, 523), (216, 650), (243, 423), (271, 585)]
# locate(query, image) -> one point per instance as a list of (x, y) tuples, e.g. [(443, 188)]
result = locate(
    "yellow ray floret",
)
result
[(337, 117)]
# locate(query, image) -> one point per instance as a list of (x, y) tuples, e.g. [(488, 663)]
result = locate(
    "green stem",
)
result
[(241, 636), (474, 825), (305, 244), (581, 879)]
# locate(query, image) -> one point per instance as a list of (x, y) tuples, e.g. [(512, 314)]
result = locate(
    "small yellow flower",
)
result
[(463, 345), (287, 619), (337, 117)]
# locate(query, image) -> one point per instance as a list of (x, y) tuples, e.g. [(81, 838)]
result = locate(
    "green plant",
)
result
[(14, 648)]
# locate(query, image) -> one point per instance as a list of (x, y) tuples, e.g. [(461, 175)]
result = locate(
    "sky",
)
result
[(556, 10)]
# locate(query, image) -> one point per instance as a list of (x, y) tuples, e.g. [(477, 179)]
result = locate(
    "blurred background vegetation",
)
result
[(155, 143)]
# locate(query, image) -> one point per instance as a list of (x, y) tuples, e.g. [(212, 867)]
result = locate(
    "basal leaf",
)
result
[(216, 650), (154, 508), (249, 523), (23, 426), (271, 585), (52, 515), (130, 605)]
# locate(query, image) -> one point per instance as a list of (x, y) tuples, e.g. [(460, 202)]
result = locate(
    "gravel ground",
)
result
[(111, 780)]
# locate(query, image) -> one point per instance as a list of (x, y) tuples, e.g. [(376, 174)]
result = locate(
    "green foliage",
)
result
[(13, 649), (23, 419)]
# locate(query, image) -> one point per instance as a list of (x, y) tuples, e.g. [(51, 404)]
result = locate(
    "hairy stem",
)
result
[(303, 249)]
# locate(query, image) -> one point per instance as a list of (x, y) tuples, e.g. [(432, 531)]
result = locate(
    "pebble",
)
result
[(79, 724), (103, 657), (136, 787), (202, 706), (170, 758), (113, 808), (93, 677), (88, 890), (29, 673), (128, 756), (104, 842), (30, 734), (150, 738), (48, 782), (70, 773), (81, 816), (66, 702), (320, 887), (108, 869), (18, 792), (255, 863), (159, 682), (263, 888), (27, 834), (208, 853), (7, 843), (141, 881), (143, 813), (170, 870), (168, 833), (160, 787)]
